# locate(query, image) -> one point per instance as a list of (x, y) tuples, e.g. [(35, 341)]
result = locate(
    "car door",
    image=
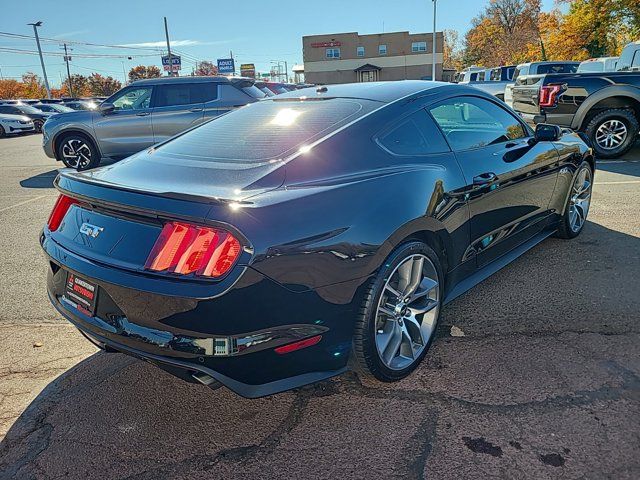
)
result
[(177, 107), (510, 178), (127, 128)]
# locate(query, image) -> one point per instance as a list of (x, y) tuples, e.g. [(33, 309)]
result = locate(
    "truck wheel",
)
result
[(612, 132)]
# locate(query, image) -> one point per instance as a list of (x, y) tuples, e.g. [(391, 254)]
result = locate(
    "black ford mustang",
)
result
[(320, 229)]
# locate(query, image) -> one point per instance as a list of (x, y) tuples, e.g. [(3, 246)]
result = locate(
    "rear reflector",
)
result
[(292, 347), (60, 209), (549, 95), (184, 249)]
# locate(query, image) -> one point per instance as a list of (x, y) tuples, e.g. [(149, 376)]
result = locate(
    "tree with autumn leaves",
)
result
[(515, 31), (32, 86)]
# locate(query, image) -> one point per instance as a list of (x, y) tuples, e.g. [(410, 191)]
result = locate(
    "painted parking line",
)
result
[(23, 203), (623, 182)]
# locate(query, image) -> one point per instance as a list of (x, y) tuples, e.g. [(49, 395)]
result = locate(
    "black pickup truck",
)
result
[(605, 106)]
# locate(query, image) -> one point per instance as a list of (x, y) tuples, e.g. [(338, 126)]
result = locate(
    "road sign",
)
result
[(175, 60), (248, 70), (226, 65)]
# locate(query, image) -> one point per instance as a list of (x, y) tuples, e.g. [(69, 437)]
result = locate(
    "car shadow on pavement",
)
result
[(543, 377), (42, 180)]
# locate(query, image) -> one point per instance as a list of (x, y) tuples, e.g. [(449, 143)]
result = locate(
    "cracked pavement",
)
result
[(535, 374)]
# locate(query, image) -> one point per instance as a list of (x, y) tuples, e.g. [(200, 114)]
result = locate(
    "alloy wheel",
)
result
[(611, 134), (580, 199), (407, 312), (76, 153)]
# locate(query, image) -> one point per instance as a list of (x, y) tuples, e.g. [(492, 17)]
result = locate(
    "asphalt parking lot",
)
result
[(535, 373)]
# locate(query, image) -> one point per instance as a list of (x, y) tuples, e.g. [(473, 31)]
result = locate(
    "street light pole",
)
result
[(44, 71), (433, 53)]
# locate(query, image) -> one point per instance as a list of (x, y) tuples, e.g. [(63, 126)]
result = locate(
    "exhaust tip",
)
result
[(206, 380)]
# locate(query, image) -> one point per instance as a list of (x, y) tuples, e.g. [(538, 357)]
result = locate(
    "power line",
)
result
[(80, 55), (76, 42)]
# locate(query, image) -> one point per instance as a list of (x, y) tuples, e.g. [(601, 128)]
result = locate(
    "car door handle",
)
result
[(196, 109), (142, 114), (484, 178)]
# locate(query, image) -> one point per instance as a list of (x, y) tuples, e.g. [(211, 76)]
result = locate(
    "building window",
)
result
[(333, 53), (419, 47), (360, 51), (382, 49)]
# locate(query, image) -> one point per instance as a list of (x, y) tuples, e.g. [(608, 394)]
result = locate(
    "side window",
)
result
[(635, 63), (185, 94), (4, 109), (414, 135), (133, 98), (205, 92), (472, 122)]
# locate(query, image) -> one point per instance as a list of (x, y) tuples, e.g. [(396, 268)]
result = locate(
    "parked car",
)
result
[(19, 101), (15, 124), (278, 244), (604, 106), (38, 116), (264, 89), (141, 114), (470, 74), (602, 64), (537, 68), (81, 105), (52, 107), (630, 58), (495, 81)]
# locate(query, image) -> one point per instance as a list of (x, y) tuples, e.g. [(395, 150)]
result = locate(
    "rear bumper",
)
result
[(190, 368), (562, 120), (230, 338)]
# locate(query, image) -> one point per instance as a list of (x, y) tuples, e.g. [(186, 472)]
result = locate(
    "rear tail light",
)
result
[(60, 209), (187, 249), (549, 95)]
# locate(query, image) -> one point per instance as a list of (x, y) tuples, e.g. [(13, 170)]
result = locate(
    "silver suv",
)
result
[(144, 113)]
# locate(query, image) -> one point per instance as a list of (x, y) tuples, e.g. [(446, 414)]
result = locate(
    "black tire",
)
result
[(627, 118), (89, 157), (365, 359), (2, 132), (37, 124), (566, 227)]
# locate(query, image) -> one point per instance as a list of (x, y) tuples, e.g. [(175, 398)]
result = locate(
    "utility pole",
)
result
[(286, 72), (66, 60), (433, 53), (44, 71), (166, 32)]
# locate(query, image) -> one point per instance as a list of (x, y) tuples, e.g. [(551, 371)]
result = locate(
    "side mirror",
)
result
[(105, 108), (547, 133)]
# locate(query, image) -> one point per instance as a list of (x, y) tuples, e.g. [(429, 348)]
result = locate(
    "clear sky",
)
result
[(256, 31)]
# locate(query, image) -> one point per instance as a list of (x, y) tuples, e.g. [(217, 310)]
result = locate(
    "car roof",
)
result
[(379, 91), (165, 80)]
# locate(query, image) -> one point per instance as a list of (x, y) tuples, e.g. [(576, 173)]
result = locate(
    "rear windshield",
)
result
[(557, 68), (266, 130)]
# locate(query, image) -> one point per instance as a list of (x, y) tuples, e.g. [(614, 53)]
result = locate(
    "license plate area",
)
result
[(81, 293)]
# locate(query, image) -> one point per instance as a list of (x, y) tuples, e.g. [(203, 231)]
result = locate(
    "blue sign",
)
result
[(226, 65)]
